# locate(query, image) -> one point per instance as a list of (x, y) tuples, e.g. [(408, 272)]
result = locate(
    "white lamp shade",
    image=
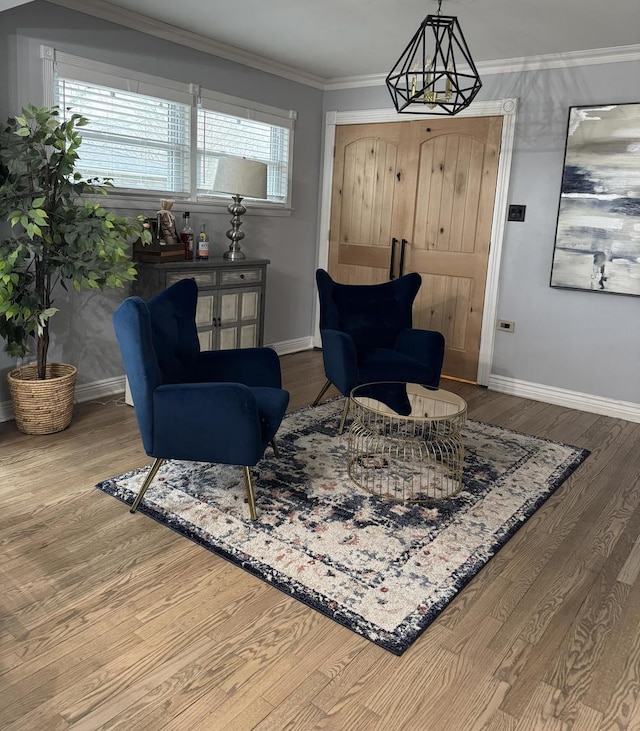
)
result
[(239, 176)]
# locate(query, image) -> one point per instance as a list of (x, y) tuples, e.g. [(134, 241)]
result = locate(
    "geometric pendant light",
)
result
[(435, 73)]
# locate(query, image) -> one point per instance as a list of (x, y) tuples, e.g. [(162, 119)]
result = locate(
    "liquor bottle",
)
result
[(203, 245), (187, 236)]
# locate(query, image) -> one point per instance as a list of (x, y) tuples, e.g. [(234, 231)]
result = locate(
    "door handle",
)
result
[(402, 252), (392, 260)]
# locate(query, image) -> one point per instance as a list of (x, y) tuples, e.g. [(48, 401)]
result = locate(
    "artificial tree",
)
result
[(59, 235)]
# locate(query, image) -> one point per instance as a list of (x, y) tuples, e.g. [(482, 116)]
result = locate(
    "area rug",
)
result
[(383, 569)]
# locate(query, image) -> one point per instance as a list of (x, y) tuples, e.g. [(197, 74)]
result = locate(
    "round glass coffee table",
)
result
[(405, 441)]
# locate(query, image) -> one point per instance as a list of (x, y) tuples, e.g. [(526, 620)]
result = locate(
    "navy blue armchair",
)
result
[(212, 406), (367, 336)]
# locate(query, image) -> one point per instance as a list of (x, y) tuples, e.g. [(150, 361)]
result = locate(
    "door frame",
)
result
[(506, 108)]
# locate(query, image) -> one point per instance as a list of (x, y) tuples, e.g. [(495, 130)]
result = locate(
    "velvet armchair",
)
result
[(220, 406), (367, 336)]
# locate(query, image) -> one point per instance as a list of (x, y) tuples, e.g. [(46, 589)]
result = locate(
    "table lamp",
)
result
[(242, 178)]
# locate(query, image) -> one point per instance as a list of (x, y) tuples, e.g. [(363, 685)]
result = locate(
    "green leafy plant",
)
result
[(60, 236)]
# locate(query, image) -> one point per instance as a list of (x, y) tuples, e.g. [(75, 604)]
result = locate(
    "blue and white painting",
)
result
[(598, 235)]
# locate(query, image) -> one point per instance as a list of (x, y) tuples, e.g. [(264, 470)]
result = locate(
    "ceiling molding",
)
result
[(159, 29), (8, 4), (618, 54)]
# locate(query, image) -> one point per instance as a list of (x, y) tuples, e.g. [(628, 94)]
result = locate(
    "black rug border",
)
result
[(387, 641)]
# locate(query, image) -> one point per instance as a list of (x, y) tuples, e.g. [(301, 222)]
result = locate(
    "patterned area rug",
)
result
[(382, 569)]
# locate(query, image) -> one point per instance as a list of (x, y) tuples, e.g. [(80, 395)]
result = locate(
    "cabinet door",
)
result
[(239, 318), (205, 322)]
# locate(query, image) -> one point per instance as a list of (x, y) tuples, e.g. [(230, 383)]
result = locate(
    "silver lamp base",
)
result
[(236, 209), (234, 254)]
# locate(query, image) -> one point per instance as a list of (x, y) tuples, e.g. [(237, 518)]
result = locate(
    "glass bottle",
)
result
[(202, 253), (187, 236)]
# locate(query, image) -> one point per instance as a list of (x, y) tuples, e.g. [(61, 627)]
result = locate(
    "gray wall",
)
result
[(581, 341), (82, 332)]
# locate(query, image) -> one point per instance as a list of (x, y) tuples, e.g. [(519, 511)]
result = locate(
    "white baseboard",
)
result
[(537, 391), (570, 399), (6, 411), (112, 386), (100, 389), (287, 347), (86, 392)]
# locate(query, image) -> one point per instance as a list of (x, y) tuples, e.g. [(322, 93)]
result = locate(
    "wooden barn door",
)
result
[(455, 169), (368, 202), (424, 190)]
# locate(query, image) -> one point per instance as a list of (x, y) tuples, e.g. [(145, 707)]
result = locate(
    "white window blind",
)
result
[(223, 134), (140, 141), (157, 136)]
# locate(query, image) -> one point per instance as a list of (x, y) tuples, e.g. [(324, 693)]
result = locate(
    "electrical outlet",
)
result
[(516, 213), (506, 326)]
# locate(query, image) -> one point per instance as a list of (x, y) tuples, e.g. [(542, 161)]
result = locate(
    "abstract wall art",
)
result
[(597, 244)]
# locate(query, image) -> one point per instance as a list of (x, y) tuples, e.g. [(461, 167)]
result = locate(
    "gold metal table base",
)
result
[(411, 458)]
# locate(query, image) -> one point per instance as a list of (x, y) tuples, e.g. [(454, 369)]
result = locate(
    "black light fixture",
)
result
[(435, 73)]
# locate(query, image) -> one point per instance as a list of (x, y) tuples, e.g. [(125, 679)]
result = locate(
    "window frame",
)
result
[(194, 95)]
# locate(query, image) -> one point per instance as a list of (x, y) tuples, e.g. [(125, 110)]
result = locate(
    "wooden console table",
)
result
[(231, 294)]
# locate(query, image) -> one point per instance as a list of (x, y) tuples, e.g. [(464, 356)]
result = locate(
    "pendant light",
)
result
[(435, 73)]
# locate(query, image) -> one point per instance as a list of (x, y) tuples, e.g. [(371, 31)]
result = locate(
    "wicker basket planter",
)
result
[(43, 407)]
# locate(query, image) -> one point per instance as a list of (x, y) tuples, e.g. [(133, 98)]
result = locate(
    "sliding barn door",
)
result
[(418, 196)]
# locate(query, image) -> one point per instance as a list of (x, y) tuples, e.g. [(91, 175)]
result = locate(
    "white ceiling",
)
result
[(332, 39)]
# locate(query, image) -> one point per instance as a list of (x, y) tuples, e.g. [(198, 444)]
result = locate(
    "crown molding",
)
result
[(8, 4), (619, 54), (159, 29)]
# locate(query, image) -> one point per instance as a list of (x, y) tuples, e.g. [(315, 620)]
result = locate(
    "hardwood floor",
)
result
[(112, 621)]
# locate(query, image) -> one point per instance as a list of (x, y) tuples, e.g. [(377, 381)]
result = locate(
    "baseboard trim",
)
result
[(6, 411), (626, 410), (100, 389), (112, 386), (286, 347), (109, 387)]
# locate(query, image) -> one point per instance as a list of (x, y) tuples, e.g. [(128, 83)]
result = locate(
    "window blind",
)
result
[(222, 134), (140, 141), (159, 136)]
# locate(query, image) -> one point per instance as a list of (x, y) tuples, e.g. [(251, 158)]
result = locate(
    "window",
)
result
[(141, 142), (222, 134), (159, 137)]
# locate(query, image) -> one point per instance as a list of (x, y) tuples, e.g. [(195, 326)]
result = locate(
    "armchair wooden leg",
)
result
[(323, 390), (148, 480), (276, 451), (252, 500), (345, 412)]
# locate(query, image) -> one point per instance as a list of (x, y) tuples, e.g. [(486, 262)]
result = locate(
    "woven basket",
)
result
[(43, 407)]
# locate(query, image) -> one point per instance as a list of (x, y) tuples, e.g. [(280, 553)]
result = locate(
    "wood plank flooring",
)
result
[(112, 621)]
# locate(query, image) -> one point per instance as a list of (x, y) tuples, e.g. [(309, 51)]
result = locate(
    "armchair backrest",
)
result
[(372, 314), (173, 326), (158, 342)]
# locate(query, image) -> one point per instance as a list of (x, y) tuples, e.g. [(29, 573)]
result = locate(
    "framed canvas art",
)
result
[(597, 244)]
